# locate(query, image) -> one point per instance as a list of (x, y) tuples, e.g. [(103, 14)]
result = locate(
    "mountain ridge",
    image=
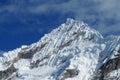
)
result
[(70, 52)]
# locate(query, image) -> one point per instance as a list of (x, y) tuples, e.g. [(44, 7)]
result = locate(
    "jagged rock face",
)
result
[(73, 51)]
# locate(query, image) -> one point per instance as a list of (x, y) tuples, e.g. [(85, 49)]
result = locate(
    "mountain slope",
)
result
[(73, 51)]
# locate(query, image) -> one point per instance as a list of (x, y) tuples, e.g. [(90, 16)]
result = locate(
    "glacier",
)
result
[(73, 51)]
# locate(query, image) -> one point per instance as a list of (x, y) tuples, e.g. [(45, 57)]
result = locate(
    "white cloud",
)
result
[(104, 10), (91, 10)]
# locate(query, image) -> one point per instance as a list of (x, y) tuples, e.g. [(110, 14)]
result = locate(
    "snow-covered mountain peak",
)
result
[(70, 20), (73, 51), (74, 28)]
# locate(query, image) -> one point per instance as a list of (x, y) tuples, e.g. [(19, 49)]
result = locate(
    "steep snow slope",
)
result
[(73, 51)]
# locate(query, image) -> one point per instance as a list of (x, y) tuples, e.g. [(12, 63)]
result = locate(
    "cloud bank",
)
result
[(104, 15)]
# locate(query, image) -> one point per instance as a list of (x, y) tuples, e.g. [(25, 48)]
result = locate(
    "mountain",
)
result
[(73, 51)]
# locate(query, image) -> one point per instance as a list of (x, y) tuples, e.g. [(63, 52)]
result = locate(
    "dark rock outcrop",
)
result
[(106, 68), (5, 74), (69, 73)]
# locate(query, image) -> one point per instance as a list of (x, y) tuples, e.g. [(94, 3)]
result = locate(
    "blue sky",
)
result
[(26, 21)]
